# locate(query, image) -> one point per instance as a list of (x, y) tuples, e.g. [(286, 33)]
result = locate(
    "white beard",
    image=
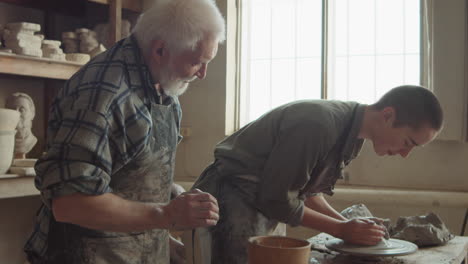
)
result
[(172, 86)]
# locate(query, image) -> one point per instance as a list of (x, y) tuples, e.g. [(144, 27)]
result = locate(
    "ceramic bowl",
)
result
[(8, 119), (278, 249)]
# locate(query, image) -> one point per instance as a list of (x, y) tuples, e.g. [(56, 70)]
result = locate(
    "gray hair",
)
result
[(182, 24)]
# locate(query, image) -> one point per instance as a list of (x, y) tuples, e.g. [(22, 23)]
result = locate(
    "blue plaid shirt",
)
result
[(100, 121)]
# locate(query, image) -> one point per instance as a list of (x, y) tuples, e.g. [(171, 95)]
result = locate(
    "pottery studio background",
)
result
[(433, 178)]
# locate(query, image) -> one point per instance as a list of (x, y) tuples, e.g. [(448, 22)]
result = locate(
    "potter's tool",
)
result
[(462, 233), (391, 247)]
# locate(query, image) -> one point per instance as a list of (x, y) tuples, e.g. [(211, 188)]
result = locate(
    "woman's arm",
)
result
[(319, 204), (319, 215)]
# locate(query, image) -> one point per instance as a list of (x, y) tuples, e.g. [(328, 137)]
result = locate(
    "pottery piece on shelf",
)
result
[(20, 38), (9, 119), (7, 146), (24, 140), (23, 171), (24, 162)]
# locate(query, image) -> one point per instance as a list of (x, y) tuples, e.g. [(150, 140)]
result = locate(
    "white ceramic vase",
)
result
[(7, 148), (8, 119)]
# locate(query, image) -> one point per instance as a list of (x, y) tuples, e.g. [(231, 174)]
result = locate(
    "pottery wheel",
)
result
[(391, 247)]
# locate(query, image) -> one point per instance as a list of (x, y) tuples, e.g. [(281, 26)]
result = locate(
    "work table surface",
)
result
[(454, 252)]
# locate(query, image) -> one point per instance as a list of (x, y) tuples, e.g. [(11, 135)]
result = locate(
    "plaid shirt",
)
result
[(100, 121)]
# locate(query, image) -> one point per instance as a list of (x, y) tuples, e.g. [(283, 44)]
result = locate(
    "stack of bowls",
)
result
[(8, 121)]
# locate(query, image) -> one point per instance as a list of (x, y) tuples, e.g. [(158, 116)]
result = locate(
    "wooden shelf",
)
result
[(12, 185), (73, 8), (37, 67), (17, 186), (133, 5)]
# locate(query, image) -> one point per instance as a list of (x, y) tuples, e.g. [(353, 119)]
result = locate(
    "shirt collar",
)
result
[(352, 144), (133, 55), (136, 56)]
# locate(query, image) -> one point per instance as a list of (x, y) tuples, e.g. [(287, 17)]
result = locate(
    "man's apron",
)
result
[(147, 178)]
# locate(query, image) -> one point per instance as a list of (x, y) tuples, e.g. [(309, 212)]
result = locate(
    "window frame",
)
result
[(234, 109)]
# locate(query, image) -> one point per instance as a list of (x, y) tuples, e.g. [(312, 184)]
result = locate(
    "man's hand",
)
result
[(361, 231), (177, 251), (192, 209)]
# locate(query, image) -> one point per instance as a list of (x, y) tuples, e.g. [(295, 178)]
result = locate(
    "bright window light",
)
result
[(373, 46)]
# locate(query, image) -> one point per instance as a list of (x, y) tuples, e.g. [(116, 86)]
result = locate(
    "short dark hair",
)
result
[(415, 106)]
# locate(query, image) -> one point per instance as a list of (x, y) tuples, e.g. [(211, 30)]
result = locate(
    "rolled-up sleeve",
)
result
[(286, 171), (78, 157)]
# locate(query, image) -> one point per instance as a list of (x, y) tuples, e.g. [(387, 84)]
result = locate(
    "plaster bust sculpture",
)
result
[(24, 139)]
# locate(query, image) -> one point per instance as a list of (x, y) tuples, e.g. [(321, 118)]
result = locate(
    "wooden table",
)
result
[(454, 252)]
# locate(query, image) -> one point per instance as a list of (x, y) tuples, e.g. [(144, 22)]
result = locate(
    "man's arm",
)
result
[(110, 212), (356, 231)]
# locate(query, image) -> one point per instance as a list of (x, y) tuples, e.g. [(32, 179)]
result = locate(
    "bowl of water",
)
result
[(278, 249)]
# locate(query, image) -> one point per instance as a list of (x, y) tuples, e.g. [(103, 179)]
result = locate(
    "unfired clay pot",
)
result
[(278, 250), (7, 146)]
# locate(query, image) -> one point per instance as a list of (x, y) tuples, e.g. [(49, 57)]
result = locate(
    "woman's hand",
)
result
[(361, 231)]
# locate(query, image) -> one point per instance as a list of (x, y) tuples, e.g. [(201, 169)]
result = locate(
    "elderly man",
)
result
[(271, 170), (106, 177)]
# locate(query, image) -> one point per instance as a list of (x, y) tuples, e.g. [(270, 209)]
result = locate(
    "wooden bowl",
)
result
[(278, 250)]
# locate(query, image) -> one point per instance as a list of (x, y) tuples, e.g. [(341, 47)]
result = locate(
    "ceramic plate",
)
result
[(391, 247)]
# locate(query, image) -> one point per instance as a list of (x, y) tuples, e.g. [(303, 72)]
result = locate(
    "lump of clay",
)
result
[(359, 211), (356, 211), (425, 230)]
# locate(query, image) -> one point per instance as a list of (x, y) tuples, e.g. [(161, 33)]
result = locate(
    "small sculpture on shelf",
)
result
[(24, 139), (22, 39), (8, 122)]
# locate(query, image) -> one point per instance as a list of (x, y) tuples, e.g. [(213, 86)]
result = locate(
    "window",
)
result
[(332, 49)]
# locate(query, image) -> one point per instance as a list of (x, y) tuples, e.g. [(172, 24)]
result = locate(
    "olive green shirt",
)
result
[(292, 152)]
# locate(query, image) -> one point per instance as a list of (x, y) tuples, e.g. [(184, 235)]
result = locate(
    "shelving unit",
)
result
[(46, 68), (12, 64), (133, 5), (17, 187)]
